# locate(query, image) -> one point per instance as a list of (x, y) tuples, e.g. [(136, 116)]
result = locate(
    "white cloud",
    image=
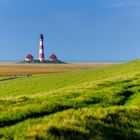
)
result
[(126, 3)]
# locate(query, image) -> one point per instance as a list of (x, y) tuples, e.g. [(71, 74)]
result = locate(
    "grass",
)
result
[(12, 69), (95, 103)]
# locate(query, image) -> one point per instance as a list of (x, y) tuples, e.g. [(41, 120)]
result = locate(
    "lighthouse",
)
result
[(41, 59), (41, 49)]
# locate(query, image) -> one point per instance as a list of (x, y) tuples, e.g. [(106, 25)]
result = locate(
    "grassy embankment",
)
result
[(99, 103)]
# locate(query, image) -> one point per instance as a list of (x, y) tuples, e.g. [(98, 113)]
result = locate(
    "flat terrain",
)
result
[(96, 102), (19, 68)]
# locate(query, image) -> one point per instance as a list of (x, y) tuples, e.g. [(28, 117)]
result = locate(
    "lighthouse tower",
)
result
[(41, 49)]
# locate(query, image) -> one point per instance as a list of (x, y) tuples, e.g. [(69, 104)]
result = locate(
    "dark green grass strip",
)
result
[(46, 110), (126, 95), (52, 109)]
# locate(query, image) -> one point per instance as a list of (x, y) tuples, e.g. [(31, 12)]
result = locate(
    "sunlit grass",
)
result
[(102, 103)]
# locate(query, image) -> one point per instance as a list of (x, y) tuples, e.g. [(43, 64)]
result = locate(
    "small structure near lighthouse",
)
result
[(53, 59), (41, 59), (29, 58)]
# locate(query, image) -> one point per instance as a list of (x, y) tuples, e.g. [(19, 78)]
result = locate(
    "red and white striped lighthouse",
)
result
[(41, 49)]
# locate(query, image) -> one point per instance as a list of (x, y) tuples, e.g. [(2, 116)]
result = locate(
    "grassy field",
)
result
[(91, 103), (8, 69)]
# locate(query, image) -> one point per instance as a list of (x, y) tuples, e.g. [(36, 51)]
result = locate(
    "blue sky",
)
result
[(76, 30)]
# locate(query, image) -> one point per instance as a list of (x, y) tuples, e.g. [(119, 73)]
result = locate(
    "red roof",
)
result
[(53, 57), (29, 56)]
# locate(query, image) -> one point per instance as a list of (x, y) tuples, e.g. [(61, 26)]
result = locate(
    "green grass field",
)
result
[(91, 104)]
